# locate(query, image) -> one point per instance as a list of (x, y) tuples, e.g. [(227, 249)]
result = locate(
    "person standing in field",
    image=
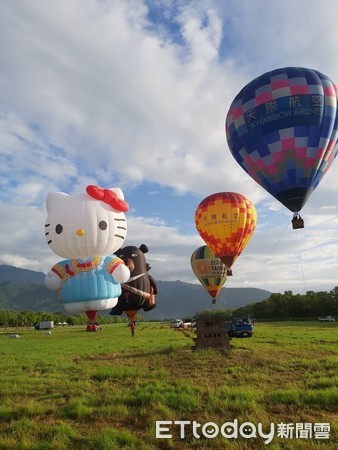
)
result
[(132, 328)]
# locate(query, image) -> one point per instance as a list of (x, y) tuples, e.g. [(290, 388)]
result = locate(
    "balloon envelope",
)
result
[(139, 291), (209, 269), (86, 229), (226, 222), (282, 130)]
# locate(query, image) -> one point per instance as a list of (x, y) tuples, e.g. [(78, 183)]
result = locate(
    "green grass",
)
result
[(105, 390)]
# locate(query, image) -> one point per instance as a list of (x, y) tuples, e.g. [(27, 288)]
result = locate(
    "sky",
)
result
[(134, 94)]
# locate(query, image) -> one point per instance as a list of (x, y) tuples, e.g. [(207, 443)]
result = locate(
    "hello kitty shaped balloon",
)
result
[(87, 229)]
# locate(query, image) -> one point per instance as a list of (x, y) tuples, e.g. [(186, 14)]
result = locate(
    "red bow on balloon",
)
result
[(107, 196)]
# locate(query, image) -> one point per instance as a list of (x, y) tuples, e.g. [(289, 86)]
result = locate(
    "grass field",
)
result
[(77, 390)]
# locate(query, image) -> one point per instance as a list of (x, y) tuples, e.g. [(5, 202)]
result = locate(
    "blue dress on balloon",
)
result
[(88, 280)]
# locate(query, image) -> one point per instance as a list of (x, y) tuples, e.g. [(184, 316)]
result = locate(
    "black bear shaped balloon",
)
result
[(140, 290)]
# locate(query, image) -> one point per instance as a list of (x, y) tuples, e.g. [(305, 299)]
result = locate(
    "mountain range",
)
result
[(22, 290)]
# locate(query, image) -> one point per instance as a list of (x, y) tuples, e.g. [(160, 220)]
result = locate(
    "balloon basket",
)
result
[(297, 222), (92, 327)]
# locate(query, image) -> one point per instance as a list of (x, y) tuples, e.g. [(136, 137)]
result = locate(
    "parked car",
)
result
[(187, 323), (176, 323), (326, 319)]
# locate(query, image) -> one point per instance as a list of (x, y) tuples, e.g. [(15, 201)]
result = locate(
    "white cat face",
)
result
[(80, 226)]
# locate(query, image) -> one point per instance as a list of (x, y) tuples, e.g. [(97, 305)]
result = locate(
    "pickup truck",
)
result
[(326, 319), (240, 327)]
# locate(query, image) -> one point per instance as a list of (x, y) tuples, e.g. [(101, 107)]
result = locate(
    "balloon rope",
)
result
[(331, 261), (268, 257), (300, 260), (263, 263)]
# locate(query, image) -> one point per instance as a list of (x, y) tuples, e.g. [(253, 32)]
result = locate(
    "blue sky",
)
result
[(134, 94)]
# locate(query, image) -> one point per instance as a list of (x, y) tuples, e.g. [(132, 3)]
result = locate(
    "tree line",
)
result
[(14, 319), (286, 306), (278, 306), (293, 306)]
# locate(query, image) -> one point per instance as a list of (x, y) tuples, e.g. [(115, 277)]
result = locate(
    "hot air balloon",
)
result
[(226, 222), (87, 229), (282, 130), (139, 291), (209, 269)]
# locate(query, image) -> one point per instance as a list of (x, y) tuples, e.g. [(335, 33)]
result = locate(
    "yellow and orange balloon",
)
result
[(209, 270), (226, 222)]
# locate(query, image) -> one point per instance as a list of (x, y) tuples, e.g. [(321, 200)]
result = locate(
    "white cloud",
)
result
[(93, 92)]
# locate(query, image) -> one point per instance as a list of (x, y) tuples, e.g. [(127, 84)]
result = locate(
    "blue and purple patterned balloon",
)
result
[(282, 130)]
